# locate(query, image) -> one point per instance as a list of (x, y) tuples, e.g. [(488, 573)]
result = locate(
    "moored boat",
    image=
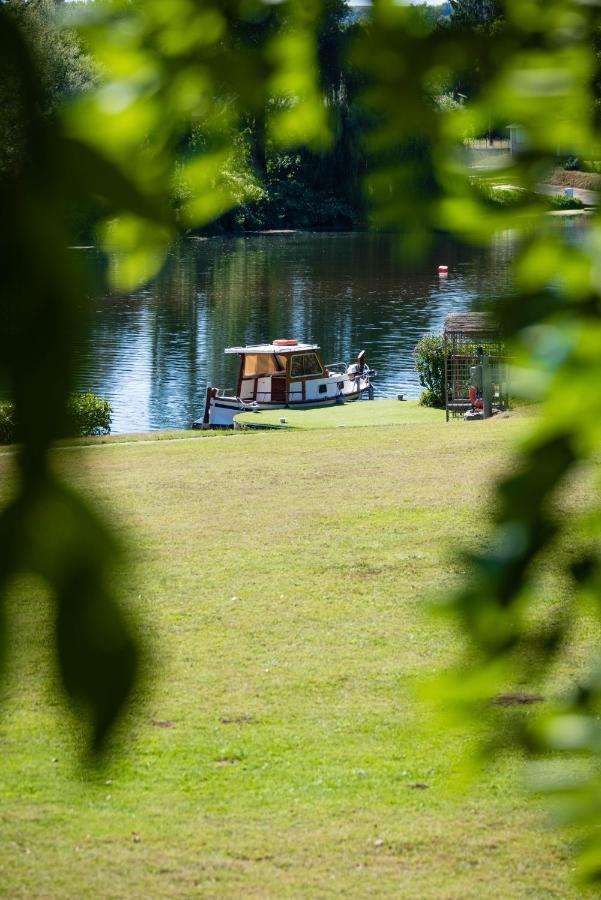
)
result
[(285, 374)]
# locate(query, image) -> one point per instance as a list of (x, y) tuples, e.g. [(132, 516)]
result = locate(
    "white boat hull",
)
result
[(221, 410)]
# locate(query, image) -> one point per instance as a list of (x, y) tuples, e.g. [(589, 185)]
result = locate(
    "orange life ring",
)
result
[(282, 342)]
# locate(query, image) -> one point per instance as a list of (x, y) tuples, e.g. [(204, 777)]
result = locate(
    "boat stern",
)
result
[(219, 411)]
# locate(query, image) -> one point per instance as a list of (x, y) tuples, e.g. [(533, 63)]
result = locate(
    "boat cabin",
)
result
[(284, 372)]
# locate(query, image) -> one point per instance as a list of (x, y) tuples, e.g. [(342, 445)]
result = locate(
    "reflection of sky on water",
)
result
[(153, 352)]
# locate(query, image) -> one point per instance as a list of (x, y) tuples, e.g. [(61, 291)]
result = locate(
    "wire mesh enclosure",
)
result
[(467, 336)]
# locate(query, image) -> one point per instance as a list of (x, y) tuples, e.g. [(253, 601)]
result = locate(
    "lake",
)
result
[(152, 352)]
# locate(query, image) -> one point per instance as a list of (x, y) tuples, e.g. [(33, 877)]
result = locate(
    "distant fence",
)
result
[(485, 144)]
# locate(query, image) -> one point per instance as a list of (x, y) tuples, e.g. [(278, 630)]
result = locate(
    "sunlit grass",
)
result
[(279, 749), (359, 414)]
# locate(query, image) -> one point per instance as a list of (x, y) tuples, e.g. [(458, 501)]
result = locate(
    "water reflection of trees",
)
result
[(153, 352)]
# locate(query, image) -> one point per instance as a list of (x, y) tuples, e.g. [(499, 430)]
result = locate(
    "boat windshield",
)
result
[(258, 364), (305, 364)]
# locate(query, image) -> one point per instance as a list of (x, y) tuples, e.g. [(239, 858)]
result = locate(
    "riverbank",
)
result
[(152, 353), (278, 748)]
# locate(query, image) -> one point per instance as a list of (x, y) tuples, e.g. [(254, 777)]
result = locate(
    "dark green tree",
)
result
[(476, 12), (64, 70)]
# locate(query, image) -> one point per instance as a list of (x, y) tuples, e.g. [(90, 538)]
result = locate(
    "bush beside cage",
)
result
[(429, 357), (87, 415)]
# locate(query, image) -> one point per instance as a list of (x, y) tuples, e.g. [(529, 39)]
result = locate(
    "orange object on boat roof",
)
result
[(285, 342)]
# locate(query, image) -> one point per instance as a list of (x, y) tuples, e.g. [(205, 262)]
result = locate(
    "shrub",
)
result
[(515, 197), (500, 197), (560, 201), (87, 415), (592, 165), (429, 398), (429, 356)]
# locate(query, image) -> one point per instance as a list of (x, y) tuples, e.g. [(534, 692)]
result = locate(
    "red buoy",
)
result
[(284, 342), (443, 270)]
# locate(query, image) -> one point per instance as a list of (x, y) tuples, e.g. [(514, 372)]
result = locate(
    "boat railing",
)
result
[(331, 367)]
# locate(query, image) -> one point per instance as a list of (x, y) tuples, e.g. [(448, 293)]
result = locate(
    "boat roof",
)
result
[(273, 348), (469, 322)]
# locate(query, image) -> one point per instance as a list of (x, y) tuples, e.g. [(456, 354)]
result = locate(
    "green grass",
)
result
[(508, 197), (358, 414), (282, 582), (141, 437)]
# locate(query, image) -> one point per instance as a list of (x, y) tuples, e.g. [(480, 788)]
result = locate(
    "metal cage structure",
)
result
[(467, 336)]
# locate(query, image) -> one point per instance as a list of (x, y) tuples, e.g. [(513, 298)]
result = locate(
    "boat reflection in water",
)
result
[(285, 374)]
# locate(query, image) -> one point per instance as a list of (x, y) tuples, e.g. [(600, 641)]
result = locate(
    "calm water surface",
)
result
[(152, 353)]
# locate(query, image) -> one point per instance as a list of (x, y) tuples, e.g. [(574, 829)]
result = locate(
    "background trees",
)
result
[(298, 188), (476, 12), (63, 69)]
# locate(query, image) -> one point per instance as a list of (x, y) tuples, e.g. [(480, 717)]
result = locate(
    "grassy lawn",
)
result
[(278, 749), (359, 414)]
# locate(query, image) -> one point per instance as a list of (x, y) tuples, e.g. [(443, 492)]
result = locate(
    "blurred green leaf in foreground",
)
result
[(111, 156), (534, 69)]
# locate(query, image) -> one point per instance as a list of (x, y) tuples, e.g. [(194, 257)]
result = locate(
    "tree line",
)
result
[(274, 188)]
